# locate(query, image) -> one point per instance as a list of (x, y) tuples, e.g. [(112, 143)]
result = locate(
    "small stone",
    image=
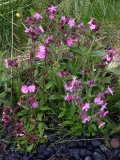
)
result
[(97, 150), (52, 139), (88, 158), (17, 155), (31, 155), (114, 142), (42, 146), (115, 152), (76, 156), (40, 157), (80, 144), (58, 155), (46, 153), (12, 147), (90, 147), (25, 157), (83, 153), (72, 144), (75, 151), (96, 156), (95, 142)]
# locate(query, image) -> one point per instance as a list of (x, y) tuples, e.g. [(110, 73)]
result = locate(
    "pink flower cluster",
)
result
[(49, 39), (25, 89), (108, 57), (11, 63), (93, 25), (6, 114), (33, 102), (33, 28), (85, 71), (99, 100), (18, 127), (52, 11), (63, 73), (72, 85)]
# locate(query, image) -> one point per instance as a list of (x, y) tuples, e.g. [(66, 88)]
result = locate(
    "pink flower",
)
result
[(110, 90), (49, 39), (85, 71), (28, 30), (93, 27), (38, 16), (41, 29), (69, 41), (7, 109), (92, 24), (111, 52), (31, 88), (80, 25), (51, 9), (41, 51), (24, 89), (35, 104), (101, 124), (51, 16), (70, 54), (60, 74), (6, 62), (6, 119), (86, 119), (98, 101), (71, 22), (91, 83), (91, 21), (108, 58), (105, 113), (63, 20), (70, 98), (20, 134), (86, 106), (103, 107), (20, 103)]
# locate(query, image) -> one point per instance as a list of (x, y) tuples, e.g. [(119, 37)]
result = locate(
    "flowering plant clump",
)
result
[(69, 83)]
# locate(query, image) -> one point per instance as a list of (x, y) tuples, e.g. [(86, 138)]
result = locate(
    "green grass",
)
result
[(104, 11)]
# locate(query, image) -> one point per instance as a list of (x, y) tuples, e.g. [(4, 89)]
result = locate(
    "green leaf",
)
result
[(2, 95), (30, 147), (32, 11), (72, 110), (31, 127), (6, 141), (72, 67), (41, 129), (68, 123), (97, 54), (114, 70), (94, 127), (25, 107), (62, 114), (44, 108), (21, 113), (39, 116), (49, 84), (56, 96), (76, 50)]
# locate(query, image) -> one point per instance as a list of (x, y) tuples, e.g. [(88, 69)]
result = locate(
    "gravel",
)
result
[(77, 149)]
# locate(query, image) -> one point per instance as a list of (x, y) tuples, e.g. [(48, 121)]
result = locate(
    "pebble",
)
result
[(88, 158), (95, 142), (72, 144), (114, 142), (96, 156)]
